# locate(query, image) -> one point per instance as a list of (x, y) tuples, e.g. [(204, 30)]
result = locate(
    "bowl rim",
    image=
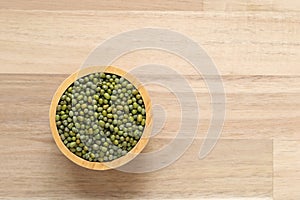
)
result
[(119, 161)]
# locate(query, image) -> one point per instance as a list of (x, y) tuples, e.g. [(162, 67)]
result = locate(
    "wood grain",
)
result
[(232, 164), (102, 5), (250, 114), (35, 91), (179, 5), (238, 43), (253, 43), (252, 5), (32, 151), (286, 169)]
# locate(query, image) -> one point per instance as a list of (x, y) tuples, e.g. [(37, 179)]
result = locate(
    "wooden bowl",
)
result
[(119, 161)]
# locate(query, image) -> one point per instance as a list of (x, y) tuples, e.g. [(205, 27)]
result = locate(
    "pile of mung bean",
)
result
[(100, 117)]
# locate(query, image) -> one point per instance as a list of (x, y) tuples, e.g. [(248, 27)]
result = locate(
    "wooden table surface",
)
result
[(255, 44)]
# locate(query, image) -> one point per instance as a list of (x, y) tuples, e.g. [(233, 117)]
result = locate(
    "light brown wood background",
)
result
[(254, 43)]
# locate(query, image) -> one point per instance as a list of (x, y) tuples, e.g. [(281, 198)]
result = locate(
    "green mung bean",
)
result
[(100, 117)]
